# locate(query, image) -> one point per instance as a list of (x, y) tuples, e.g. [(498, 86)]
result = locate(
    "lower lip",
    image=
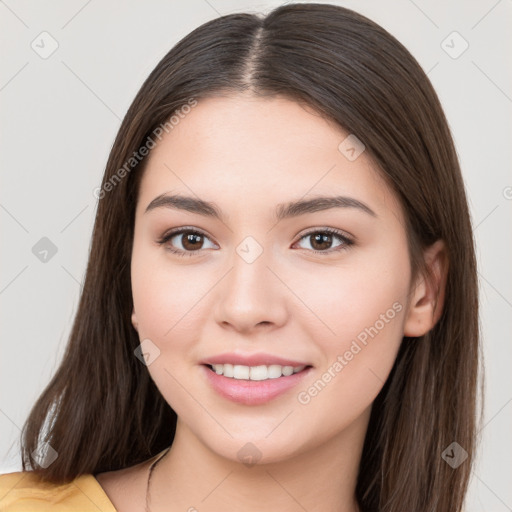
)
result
[(252, 392)]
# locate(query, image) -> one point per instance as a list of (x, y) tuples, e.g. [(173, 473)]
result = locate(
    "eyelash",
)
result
[(347, 242)]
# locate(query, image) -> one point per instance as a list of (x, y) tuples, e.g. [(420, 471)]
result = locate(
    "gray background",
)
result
[(59, 118)]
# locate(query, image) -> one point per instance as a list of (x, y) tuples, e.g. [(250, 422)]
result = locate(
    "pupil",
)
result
[(321, 238), (193, 240)]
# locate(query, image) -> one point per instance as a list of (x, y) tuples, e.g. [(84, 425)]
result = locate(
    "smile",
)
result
[(260, 372), (235, 383)]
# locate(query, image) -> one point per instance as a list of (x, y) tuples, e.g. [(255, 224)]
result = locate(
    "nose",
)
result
[(251, 297)]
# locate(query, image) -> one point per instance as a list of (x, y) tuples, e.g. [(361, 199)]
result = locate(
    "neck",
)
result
[(193, 477)]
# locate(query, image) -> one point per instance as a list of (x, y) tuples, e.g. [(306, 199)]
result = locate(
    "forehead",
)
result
[(259, 152)]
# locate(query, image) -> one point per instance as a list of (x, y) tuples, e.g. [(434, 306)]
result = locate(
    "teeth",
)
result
[(274, 371), (240, 372), (228, 370), (258, 372), (261, 372), (287, 370)]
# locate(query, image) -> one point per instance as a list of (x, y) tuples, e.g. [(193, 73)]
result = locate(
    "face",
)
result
[(324, 288)]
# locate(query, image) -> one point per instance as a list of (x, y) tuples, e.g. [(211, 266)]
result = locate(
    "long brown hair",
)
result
[(101, 410)]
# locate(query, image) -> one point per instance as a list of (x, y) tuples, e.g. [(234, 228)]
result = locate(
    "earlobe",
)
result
[(134, 321), (427, 296)]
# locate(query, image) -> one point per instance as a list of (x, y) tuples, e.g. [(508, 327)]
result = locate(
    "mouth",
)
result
[(255, 373), (253, 385)]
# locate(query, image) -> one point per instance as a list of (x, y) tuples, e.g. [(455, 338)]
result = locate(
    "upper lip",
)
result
[(251, 360)]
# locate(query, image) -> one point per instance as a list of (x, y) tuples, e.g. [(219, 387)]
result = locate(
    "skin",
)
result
[(247, 154)]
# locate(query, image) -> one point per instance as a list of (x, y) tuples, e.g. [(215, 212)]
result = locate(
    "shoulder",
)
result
[(23, 491)]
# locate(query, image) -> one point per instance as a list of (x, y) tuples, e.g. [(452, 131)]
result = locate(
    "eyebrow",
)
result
[(283, 210)]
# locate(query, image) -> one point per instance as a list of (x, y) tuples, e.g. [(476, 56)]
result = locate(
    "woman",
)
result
[(280, 306)]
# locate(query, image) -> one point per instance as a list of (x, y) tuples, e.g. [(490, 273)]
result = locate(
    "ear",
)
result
[(134, 320), (427, 295)]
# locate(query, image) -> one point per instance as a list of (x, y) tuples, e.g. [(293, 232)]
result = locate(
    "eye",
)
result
[(321, 239), (190, 244)]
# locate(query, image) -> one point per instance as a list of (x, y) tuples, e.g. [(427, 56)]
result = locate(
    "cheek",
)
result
[(344, 299), (164, 297), (369, 300), (167, 309), (366, 309)]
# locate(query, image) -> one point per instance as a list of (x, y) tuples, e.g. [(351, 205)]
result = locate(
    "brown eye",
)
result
[(184, 241), (322, 240), (191, 241), (187, 242)]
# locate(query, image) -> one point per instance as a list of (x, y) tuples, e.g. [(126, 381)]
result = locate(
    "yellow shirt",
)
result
[(23, 492)]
